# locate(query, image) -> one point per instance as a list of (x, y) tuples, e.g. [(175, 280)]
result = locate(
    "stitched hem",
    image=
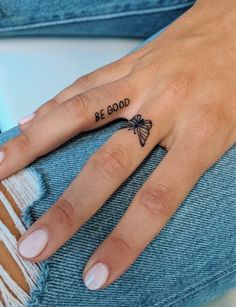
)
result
[(98, 17)]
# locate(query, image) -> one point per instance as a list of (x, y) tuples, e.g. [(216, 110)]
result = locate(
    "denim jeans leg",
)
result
[(127, 18), (190, 262)]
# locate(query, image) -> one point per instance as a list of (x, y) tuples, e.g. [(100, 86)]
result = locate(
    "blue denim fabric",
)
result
[(126, 18), (191, 261)]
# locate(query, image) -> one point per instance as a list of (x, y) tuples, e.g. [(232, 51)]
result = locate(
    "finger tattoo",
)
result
[(103, 113), (140, 126)]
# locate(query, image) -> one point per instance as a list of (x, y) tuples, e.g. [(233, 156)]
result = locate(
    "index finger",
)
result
[(84, 112), (99, 77)]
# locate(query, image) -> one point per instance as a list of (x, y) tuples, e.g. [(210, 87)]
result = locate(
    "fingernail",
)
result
[(2, 156), (26, 119), (96, 276), (34, 244)]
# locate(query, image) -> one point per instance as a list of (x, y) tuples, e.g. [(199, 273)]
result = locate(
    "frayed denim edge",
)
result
[(37, 293)]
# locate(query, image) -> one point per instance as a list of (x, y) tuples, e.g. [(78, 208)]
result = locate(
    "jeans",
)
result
[(126, 18), (193, 259)]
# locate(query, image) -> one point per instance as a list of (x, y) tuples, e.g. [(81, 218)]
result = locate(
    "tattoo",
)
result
[(140, 126), (111, 109)]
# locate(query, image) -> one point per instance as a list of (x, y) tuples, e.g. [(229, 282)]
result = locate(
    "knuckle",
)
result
[(85, 81), (209, 122), (151, 72), (179, 85), (139, 53), (111, 161), (65, 213), (76, 107), (213, 121), (201, 161), (55, 101), (50, 103), (118, 243), (25, 141), (127, 84), (158, 200)]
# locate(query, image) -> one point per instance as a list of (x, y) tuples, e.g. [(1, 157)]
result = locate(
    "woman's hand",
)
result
[(178, 91)]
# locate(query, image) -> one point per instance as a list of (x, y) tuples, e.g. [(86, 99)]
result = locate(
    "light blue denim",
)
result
[(193, 259)]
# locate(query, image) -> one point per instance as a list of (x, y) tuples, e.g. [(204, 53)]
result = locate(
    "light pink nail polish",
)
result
[(96, 276), (33, 244), (2, 156), (26, 119)]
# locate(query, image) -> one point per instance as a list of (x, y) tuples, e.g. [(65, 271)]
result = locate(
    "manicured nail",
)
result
[(96, 276), (26, 119), (2, 156), (34, 244)]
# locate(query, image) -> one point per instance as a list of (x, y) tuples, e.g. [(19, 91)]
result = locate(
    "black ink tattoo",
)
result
[(111, 109), (140, 126)]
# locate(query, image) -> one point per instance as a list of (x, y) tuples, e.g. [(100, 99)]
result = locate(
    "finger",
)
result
[(106, 74), (84, 112), (108, 168), (150, 210)]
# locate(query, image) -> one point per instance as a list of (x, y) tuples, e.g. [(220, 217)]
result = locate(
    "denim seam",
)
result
[(196, 288), (98, 17)]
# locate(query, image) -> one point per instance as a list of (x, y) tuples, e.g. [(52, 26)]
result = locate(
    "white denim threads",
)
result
[(24, 189)]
